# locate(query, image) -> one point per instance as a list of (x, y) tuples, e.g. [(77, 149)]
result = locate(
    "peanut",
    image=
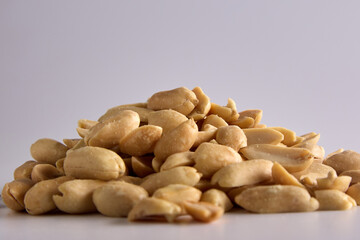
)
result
[(24, 171), (231, 136), (14, 192), (47, 150), (334, 200)]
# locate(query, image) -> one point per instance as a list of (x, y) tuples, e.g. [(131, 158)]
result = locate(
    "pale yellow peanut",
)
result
[(71, 142), (60, 165), (112, 113), (244, 122), (228, 113), (179, 139), (116, 198), (203, 211), (142, 166), (38, 200), (47, 150), (76, 196), (292, 159), (44, 171), (210, 157), (314, 171), (218, 198), (354, 174), (178, 160), (166, 119), (203, 107), (154, 209), (215, 121), (289, 135), (334, 200), (263, 136), (344, 161), (243, 173), (231, 136), (94, 163), (179, 175), (341, 183), (255, 114), (14, 192), (207, 134), (108, 134), (283, 177), (180, 99), (141, 140), (276, 199), (86, 123), (24, 170), (354, 192)]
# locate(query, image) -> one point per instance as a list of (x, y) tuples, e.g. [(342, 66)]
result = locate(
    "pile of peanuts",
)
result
[(179, 156)]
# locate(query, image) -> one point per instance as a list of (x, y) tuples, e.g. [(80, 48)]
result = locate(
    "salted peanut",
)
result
[(179, 175), (243, 173), (24, 170), (344, 161), (38, 200), (354, 192), (283, 177), (141, 140), (210, 157), (203, 107), (354, 174), (231, 136), (276, 199), (255, 114), (178, 160), (116, 199), (44, 171), (207, 134), (142, 166), (244, 122), (236, 191), (292, 159), (289, 136), (334, 200), (215, 121), (180, 139), (83, 132), (228, 113), (178, 193), (60, 166), (180, 99), (218, 198), (130, 179), (166, 119), (14, 192), (108, 134), (70, 143), (333, 182), (46, 150), (314, 171), (263, 136), (94, 163), (86, 123), (112, 113), (76, 196), (310, 142), (203, 211), (340, 150)]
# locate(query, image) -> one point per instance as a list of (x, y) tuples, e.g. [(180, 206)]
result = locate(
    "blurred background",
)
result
[(61, 61)]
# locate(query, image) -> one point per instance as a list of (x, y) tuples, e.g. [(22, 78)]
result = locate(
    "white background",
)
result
[(61, 61)]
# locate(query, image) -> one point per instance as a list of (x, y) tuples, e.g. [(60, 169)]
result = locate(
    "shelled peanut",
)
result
[(180, 155)]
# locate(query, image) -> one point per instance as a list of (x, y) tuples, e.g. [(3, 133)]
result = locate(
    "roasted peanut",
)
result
[(289, 136), (344, 161), (263, 136), (215, 121), (228, 113), (44, 171), (14, 192), (314, 171), (255, 114), (166, 119), (244, 122), (354, 174), (142, 166), (283, 177), (203, 107), (24, 171), (334, 200), (354, 192), (333, 182), (203, 211), (141, 110), (60, 166), (47, 150), (207, 134), (231, 136), (178, 160), (70, 143), (218, 198)]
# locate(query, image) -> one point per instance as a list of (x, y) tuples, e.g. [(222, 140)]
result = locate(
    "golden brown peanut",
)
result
[(244, 122), (354, 174), (44, 171), (166, 119), (283, 177), (354, 192), (334, 200), (333, 182), (344, 161), (228, 113), (207, 134), (263, 136), (218, 198), (210, 157), (154, 209), (60, 165), (203, 107), (178, 160), (179, 175), (231, 136), (292, 159), (180, 139), (94, 163), (243, 173), (47, 150), (215, 121), (276, 199), (255, 114), (289, 136), (141, 140), (180, 99), (116, 199), (14, 192), (108, 134), (70, 143), (76, 196), (112, 113), (86, 123), (38, 200), (203, 211), (24, 171), (142, 166), (314, 171)]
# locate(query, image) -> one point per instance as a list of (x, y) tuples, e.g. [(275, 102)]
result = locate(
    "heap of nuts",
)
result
[(181, 156)]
